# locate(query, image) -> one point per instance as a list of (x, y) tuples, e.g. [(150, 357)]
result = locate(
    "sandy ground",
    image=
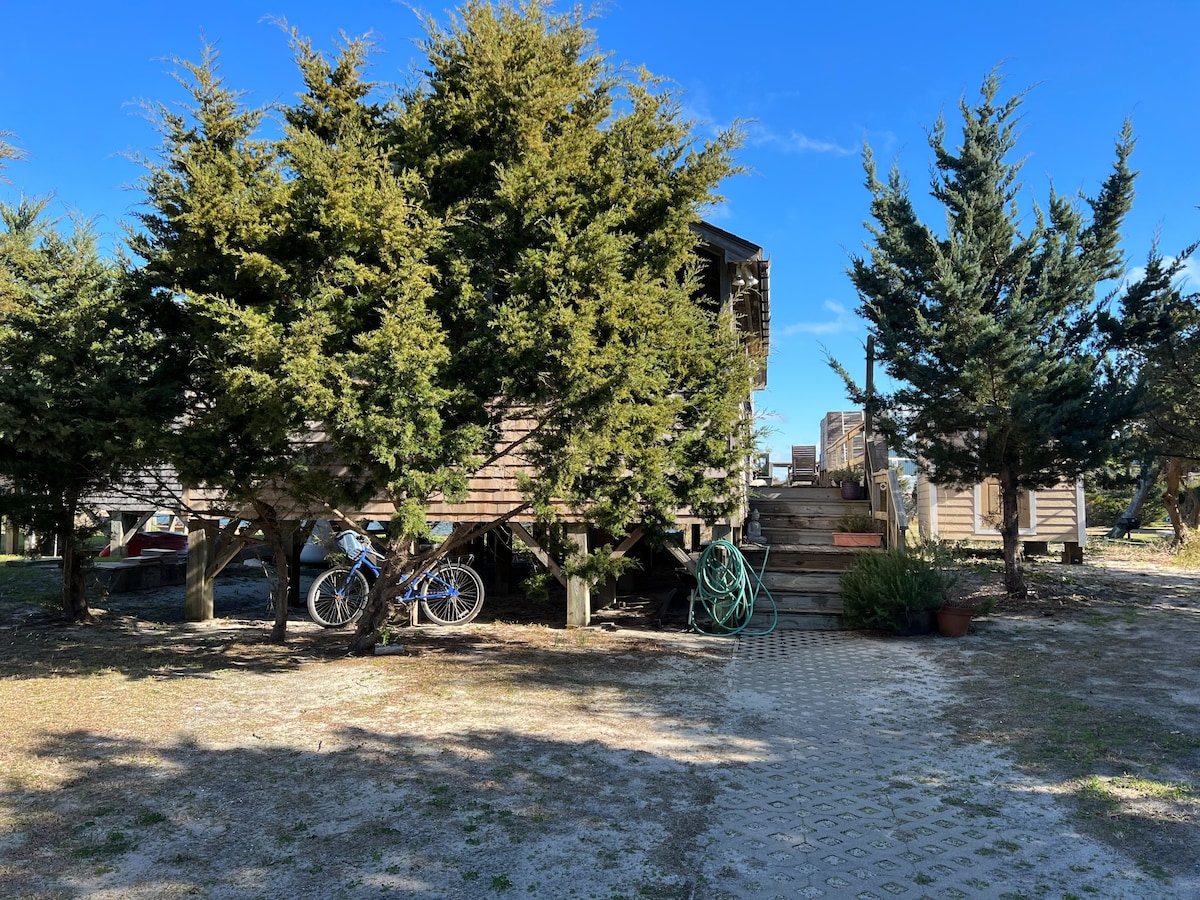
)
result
[(147, 757)]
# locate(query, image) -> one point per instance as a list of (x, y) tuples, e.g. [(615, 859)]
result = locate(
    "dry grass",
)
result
[(1093, 684), (139, 751), (145, 757)]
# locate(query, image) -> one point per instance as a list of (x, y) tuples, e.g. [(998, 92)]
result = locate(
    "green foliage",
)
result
[(598, 566), (882, 589), (7, 151), (89, 379), (989, 328), (537, 587), (509, 241), (1106, 504), (568, 188), (855, 523), (851, 474), (1157, 338)]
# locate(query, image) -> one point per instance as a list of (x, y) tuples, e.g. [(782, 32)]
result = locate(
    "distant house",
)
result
[(971, 513)]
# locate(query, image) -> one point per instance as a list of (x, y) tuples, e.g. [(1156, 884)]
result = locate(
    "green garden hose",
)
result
[(726, 589)]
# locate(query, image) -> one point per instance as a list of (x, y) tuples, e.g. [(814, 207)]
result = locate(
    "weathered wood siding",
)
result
[(492, 494)]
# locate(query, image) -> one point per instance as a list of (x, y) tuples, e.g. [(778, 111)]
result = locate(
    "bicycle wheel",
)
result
[(337, 598), (452, 594)]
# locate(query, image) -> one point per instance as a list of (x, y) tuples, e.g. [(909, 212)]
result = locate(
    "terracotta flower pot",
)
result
[(953, 621)]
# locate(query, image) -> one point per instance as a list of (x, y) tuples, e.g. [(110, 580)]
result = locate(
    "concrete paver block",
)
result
[(855, 790)]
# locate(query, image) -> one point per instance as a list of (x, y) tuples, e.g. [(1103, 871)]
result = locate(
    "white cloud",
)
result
[(801, 143), (840, 321), (795, 142), (1188, 280)]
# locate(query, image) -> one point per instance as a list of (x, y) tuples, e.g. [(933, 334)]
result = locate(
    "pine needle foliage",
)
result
[(510, 238), (89, 380), (987, 326)]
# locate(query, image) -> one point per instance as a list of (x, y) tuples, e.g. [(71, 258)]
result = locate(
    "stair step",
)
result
[(800, 493), (801, 558), (801, 523), (799, 536), (795, 622), (801, 602), (833, 509), (806, 582)]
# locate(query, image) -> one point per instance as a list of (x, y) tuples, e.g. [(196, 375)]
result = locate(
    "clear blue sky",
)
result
[(816, 79)]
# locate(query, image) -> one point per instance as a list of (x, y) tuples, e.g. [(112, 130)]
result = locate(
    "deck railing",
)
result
[(883, 488)]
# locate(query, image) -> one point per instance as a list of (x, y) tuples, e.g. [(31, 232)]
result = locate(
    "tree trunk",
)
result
[(1174, 471), (1189, 507), (75, 602), (74, 593), (279, 547), (1145, 482), (279, 542), (366, 634), (400, 563), (1010, 535)]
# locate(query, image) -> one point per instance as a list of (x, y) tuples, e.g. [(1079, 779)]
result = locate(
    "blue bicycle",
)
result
[(450, 592)]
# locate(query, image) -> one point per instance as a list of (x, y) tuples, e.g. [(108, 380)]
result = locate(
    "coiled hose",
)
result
[(726, 589)]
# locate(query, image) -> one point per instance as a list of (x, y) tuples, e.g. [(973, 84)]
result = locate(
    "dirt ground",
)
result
[(1094, 684), (147, 757)]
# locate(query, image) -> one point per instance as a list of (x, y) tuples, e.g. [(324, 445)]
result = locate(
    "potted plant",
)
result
[(856, 530), (892, 591), (957, 610), (850, 480), (955, 614)]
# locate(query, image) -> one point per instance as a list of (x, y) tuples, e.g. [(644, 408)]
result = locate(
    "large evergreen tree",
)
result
[(300, 262), (511, 239), (987, 324), (88, 380), (569, 187)]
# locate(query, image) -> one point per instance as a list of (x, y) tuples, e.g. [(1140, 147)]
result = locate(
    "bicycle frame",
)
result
[(448, 590), (410, 582)]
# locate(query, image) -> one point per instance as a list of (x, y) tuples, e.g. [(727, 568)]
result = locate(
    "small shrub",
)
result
[(885, 590), (855, 523)]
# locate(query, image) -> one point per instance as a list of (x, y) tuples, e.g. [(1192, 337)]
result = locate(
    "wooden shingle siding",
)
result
[(149, 489)]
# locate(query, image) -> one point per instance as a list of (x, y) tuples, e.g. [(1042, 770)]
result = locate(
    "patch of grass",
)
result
[(440, 798), (36, 586), (1126, 615), (971, 807), (151, 818), (1076, 708), (115, 843), (1109, 795)]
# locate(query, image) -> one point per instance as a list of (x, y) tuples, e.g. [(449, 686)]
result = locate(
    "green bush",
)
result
[(888, 590)]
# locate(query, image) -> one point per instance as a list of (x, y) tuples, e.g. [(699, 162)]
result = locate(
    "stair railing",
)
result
[(885, 495)]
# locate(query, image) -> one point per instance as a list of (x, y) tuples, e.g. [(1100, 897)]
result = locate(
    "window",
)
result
[(988, 509)]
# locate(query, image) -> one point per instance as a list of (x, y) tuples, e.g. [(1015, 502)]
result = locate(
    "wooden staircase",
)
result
[(803, 566)]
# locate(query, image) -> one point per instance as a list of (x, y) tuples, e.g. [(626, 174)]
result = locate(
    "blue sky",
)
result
[(814, 79)]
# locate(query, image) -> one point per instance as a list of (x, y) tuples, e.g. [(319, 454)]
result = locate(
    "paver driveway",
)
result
[(848, 787)]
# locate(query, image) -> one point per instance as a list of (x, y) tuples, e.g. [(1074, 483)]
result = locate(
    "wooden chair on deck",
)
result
[(804, 464)]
